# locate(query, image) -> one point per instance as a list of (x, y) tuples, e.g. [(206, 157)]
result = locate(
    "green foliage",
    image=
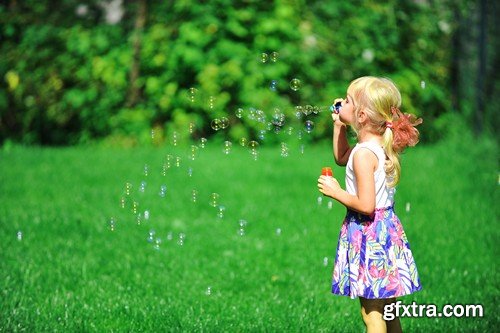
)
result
[(66, 77)]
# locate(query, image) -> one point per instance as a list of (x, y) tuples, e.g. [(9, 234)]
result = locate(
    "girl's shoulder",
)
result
[(371, 146), (376, 148)]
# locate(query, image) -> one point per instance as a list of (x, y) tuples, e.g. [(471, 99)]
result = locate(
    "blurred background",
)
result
[(110, 71)]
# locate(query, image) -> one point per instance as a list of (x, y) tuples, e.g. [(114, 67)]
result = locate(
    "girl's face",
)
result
[(346, 114)]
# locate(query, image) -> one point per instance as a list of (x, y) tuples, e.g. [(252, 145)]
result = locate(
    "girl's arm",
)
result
[(365, 164), (341, 148)]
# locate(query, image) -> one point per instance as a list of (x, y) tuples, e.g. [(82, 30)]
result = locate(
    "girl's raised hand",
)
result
[(335, 116), (328, 185)]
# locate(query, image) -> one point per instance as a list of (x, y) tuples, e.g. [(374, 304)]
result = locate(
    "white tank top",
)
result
[(384, 196)]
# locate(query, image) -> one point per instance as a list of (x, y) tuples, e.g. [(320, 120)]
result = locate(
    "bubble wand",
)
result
[(336, 107)]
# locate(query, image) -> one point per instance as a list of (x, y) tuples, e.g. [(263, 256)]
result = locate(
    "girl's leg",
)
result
[(371, 311), (393, 326)]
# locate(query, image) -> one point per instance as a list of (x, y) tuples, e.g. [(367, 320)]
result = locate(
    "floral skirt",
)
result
[(374, 259)]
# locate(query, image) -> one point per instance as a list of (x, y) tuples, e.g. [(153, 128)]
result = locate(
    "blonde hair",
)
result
[(378, 98)]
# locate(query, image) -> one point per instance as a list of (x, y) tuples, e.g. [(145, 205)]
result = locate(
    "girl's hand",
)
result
[(335, 116), (328, 185)]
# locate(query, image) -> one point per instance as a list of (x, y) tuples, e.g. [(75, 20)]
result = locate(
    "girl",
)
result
[(373, 261)]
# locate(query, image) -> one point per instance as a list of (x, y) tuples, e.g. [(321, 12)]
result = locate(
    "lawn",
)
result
[(65, 266)]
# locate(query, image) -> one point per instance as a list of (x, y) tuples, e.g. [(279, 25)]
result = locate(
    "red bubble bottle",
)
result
[(327, 171)]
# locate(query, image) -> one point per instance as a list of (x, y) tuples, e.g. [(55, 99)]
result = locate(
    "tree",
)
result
[(140, 22)]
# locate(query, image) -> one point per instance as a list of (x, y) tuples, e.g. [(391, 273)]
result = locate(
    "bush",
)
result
[(67, 77)]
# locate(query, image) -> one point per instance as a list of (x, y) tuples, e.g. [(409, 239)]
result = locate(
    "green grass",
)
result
[(70, 272)]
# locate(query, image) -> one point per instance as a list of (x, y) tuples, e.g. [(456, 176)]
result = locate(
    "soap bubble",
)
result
[(262, 135), (214, 199), (239, 113), (278, 232), (260, 116), (243, 142), (122, 202), (146, 170), (220, 211), (253, 144), (177, 161), (203, 142), (163, 191), (224, 123), (192, 92), (278, 118), (146, 214), (308, 109), (320, 200), (284, 149), (193, 151), (274, 56), (422, 84), (227, 147), (182, 239), (309, 126), (157, 243), (216, 124), (142, 187), (175, 138), (190, 172), (192, 127), (325, 261), (264, 57), (194, 196), (253, 148), (299, 114), (112, 225), (208, 292), (251, 114), (135, 205), (273, 85), (242, 225), (151, 235), (128, 188), (211, 102), (295, 84)]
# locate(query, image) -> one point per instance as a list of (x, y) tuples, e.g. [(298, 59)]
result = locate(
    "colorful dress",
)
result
[(373, 258)]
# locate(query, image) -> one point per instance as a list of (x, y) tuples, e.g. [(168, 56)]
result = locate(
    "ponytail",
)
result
[(392, 163)]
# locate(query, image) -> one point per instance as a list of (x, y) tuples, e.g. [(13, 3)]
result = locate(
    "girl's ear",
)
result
[(362, 117)]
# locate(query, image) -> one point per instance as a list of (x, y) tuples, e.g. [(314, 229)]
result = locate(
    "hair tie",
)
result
[(388, 124), (404, 131)]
